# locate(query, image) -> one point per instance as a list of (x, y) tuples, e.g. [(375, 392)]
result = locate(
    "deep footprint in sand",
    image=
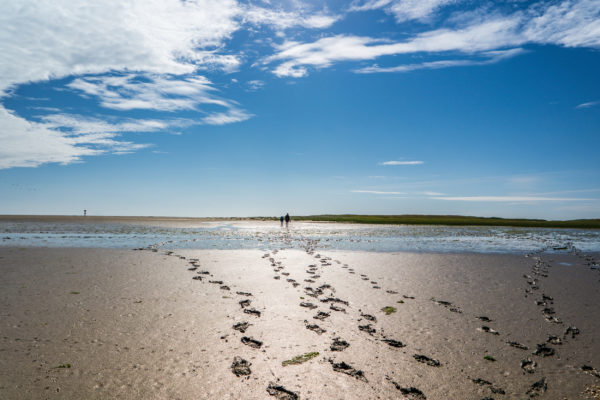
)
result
[(518, 345), (393, 343), (367, 328), (315, 328), (241, 326), (248, 341), (348, 370), (528, 365), (410, 392), (338, 344), (543, 350), (368, 317), (493, 389), (240, 367), (487, 329), (590, 370), (308, 305), (281, 393), (321, 315), (245, 303), (334, 300), (252, 311), (537, 388), (426, 360)]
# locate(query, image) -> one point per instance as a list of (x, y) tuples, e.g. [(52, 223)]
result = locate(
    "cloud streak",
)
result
[(501, 199), (376, 192), (588, 104), (401, 163), (568, 23), (404, 10)]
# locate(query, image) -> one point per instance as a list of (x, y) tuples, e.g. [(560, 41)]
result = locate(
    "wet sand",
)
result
[(220, 324)]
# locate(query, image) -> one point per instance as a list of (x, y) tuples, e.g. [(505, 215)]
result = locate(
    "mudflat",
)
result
[(287, 324)]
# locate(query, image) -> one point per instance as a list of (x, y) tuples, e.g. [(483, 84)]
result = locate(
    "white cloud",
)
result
[(326, 51), (228, 117), (433, 194), (401, 163), (569, 23), (404, 10), (255, 84), (280, 19), (493, 57), (30, 144), (153, 92), (588, 104), (53, 39), (509, 198), (375, 192)]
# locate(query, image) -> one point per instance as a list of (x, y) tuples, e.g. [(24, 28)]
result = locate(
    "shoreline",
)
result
[(392, 220), (134, 324)]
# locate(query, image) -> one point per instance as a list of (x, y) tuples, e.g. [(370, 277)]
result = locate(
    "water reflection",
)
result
[(267, 235)]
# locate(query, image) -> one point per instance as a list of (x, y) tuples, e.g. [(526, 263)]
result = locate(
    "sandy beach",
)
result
[(221, 324)]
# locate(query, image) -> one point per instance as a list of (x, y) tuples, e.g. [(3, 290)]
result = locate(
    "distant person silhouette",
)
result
[(281, 220), (287, 219)]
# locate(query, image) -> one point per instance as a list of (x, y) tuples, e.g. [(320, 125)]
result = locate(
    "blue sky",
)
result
[(238, 108)]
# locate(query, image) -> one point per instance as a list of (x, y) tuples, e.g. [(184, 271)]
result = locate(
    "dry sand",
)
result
[(102, 323)]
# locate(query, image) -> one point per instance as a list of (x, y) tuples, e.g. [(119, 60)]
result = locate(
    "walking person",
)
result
[(281, 220), (287, 219)]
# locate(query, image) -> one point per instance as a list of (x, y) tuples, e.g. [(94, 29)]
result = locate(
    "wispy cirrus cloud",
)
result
[(153, 92), (376, 192), (588, 104), (488, 57), (501, 199), (281, 19), (401, 163), (568, 23), (404, 10), (161, 93)]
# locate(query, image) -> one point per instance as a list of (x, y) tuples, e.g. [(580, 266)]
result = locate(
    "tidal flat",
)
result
[(167, 320)]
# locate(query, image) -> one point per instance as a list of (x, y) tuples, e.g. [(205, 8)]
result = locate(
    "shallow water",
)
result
[(268, 235)]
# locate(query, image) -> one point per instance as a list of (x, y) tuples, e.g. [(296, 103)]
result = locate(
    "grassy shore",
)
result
[(456, 220)]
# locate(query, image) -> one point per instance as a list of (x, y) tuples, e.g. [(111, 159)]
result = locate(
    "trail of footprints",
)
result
[(324, 295)]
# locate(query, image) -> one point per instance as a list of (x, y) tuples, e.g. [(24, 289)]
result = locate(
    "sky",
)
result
[(206, 108)]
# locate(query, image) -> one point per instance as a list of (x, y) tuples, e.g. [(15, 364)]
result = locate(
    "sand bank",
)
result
[(101, 323)]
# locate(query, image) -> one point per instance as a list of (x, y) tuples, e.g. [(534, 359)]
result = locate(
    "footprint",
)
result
[(394, 343), (487, 329), (537, 388), (308, 305), (241, 326), (528, 365), (338, 344), (240, 366), (252, 311), (367, 328), (315, 328), (543, 350), (348, 370), (368, 317), (281, 393), (518, 345), (426, 360), (411, 392), (321, 315), (248, 341)]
